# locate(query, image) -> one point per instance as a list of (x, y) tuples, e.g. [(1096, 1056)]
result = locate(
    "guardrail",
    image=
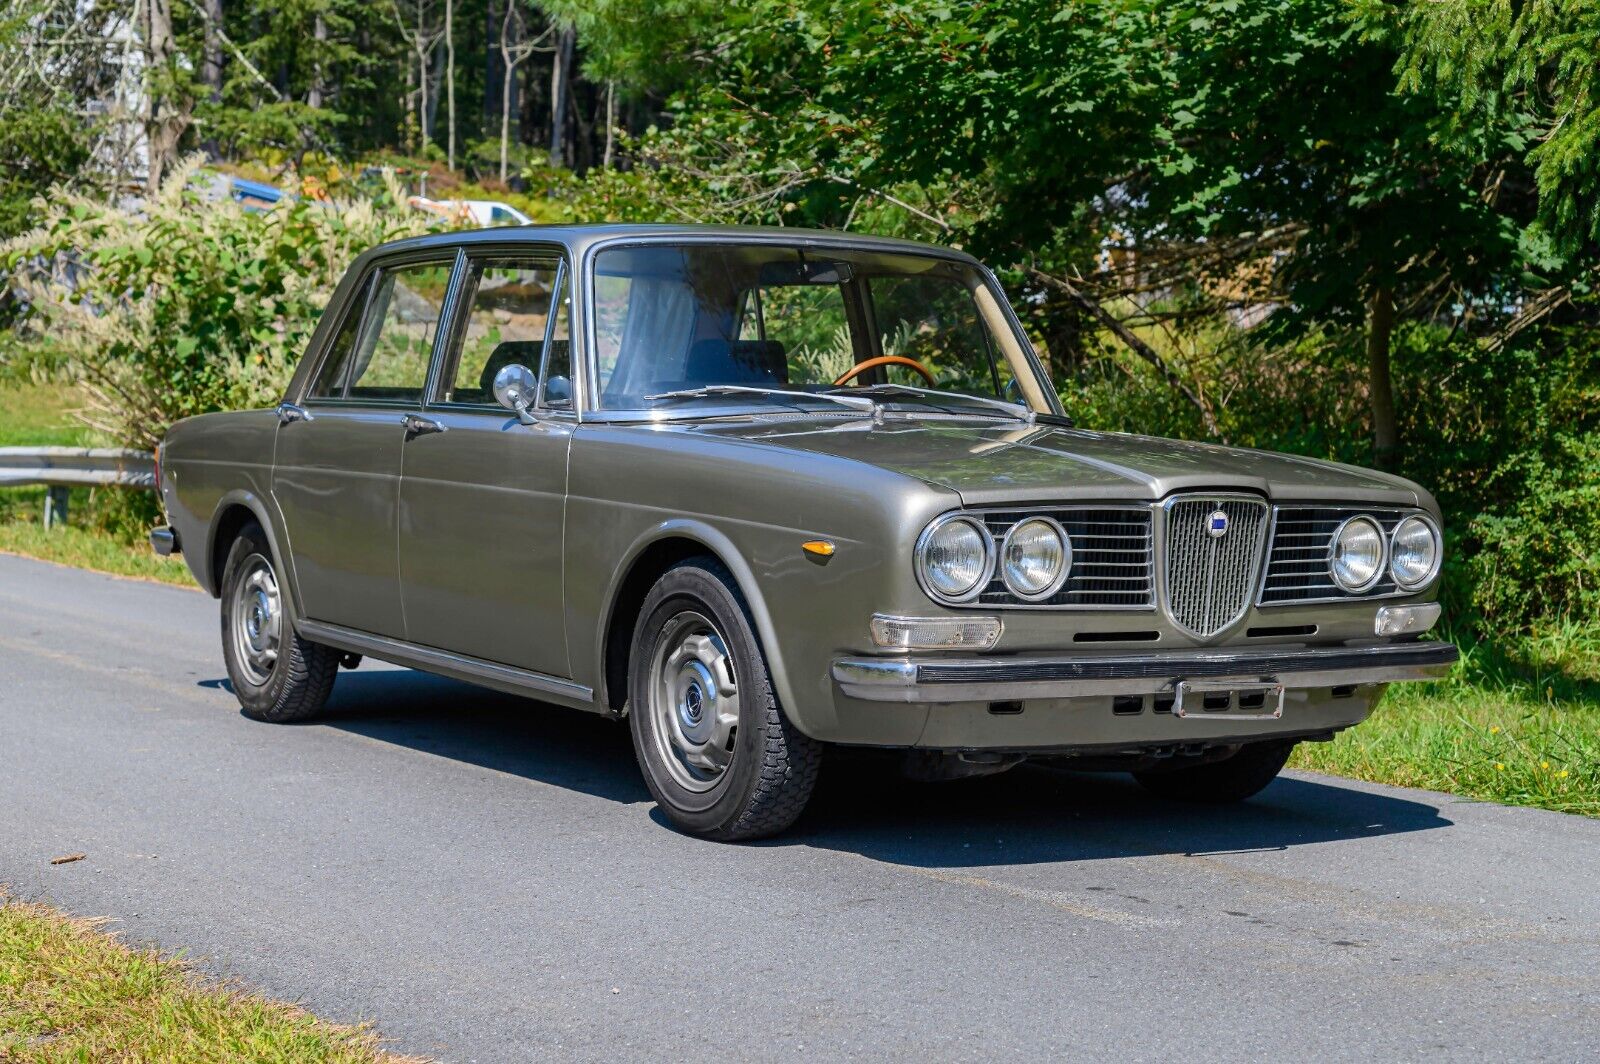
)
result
[(63, 468)]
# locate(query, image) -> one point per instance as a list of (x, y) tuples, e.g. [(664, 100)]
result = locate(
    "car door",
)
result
[(483, 496), (336, 472)]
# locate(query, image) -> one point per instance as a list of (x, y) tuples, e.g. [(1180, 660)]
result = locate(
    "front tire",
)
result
[(277, 676), (1233, 779), (717, 751)]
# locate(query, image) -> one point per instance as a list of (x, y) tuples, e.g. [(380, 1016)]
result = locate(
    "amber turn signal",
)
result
[(818, 548)]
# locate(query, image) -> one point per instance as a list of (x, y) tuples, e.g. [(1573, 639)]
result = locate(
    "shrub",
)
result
[(186, 304)]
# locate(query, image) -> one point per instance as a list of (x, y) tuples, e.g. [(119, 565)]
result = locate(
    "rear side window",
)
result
[(383, 354), (330, 378)]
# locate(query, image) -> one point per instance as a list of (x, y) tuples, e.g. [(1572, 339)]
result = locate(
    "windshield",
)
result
[(905, 330)]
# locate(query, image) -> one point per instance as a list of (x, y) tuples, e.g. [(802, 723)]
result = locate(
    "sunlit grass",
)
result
[(38, 415), (1519, 725), (70, 992), (89, 549)]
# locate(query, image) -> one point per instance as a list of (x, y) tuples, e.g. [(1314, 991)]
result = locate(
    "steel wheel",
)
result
[(694, 701), (256, 620)]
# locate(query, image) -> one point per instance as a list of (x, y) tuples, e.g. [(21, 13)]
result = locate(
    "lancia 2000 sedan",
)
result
[(761, 492)]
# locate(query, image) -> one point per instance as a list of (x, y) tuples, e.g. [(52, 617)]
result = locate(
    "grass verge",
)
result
[(90, 549), (1518, 724), (70, 992)]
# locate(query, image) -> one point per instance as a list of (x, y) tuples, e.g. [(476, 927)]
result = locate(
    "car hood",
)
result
[(989, 463)]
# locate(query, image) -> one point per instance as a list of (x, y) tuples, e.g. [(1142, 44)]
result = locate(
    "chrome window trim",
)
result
[(1383, 552), (1159, 530), (919, 564), (1438, 553), (1353, 509), (1000, 551)]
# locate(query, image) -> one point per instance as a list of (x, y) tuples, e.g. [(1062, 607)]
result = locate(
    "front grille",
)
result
[(1111, 557), (1297, 568), (1210, 578)]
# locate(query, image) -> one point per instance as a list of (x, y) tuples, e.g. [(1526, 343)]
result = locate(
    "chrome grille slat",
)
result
[(1112, 557), (1297, 564), (1209, 580)]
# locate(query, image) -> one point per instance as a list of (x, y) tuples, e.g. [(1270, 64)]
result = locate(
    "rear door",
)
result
[(483, 496), (336, 477)]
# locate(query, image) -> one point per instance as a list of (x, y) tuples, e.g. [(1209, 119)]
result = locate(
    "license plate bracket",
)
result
[(1189, 698)]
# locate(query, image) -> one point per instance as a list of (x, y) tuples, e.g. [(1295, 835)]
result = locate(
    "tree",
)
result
[(515, 47)]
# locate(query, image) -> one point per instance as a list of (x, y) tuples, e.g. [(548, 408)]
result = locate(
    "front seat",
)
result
[(715, 361)]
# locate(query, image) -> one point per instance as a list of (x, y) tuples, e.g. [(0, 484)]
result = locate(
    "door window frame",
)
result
[(448, 341)]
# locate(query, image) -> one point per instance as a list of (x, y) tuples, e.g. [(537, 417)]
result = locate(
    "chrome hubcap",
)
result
[(257, 620), (694, 701)]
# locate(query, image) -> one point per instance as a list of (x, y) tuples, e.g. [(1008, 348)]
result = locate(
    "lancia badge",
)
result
[(1217, 524)]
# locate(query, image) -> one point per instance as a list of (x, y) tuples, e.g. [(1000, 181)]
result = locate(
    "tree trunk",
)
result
[(450, 81), (611, 122), (508, 72), (211, 66), (560, 91), (319, 33), (166, 114), (1380, 381)]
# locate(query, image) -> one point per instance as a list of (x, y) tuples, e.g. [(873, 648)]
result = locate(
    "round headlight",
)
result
[(1035, 558), (955, 558), (1413, 552), (1356, 555)]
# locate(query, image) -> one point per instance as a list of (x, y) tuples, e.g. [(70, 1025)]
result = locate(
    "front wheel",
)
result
[(1233, 779), (277, 676), (717, 751)]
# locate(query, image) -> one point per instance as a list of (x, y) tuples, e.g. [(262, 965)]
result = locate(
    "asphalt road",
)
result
[(486, 879)]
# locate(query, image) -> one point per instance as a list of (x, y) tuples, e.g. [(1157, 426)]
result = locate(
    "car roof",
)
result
[(580, 238)]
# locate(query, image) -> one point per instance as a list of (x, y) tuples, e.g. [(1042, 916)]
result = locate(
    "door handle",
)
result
[(289, 413), (417, 425)]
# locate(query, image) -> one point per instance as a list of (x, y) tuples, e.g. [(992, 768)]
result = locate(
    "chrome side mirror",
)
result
[(515, 388)]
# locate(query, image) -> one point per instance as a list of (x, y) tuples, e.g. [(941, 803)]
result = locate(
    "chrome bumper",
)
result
[(164, 541), (998, 679)]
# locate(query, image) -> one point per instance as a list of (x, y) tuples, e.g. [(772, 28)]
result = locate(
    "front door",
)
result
[(483, 496), (336, 473)]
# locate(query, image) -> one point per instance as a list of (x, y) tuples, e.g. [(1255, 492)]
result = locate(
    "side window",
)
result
[(555, 387), (612, 298), (392, 352), (330, 378), (505, 314)]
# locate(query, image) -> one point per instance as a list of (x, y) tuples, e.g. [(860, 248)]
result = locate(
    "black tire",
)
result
[(294, 686), (771, 768), (1232, 779)]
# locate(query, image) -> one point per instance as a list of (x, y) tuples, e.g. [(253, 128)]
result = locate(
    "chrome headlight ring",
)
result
[(985, 572), (1436, 562), (1062, 572), (1379, 564)]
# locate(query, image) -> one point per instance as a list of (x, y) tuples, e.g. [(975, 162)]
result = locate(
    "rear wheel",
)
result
[(717, 751), (1232, 779), (276, 675)]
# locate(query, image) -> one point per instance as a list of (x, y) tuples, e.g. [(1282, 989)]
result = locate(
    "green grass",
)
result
[(1519, 724), (70, 992), (39, 415), (91, 549)]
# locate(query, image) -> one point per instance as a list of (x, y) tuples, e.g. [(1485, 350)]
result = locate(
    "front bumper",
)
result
[(997, 679), (164, 541)]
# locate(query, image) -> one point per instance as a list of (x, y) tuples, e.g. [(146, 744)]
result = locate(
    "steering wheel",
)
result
[(887, 360)]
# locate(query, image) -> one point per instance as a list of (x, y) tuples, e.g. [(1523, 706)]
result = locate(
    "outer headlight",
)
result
[(1035, 558), (954, 558), (1414, 552), (1355, 557)]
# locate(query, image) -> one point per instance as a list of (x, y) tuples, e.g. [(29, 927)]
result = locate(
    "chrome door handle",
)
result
[(291, 412), (416, 425)]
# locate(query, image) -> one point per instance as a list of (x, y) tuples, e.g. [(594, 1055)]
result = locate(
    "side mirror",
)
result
[(515, 388)]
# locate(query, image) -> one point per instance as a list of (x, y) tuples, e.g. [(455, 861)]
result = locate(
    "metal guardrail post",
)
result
[(55, 506)]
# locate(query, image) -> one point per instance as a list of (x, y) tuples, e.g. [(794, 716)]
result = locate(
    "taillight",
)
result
[(158, 471)]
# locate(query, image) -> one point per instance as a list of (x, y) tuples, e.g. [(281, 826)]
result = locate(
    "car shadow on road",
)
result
[(862, 804)]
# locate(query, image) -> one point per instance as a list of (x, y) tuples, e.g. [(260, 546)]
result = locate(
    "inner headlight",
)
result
[(1356, 555), (955, 558), (1035, 558), (1414, 552)]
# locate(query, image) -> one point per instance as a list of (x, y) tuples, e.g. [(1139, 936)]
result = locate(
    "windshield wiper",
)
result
[(1014, 410), (861, 402)]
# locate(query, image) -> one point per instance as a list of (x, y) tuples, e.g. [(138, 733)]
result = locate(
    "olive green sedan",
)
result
[(763, 491)]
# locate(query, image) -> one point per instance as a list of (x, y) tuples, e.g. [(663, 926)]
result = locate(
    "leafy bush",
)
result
[(187, 304)]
